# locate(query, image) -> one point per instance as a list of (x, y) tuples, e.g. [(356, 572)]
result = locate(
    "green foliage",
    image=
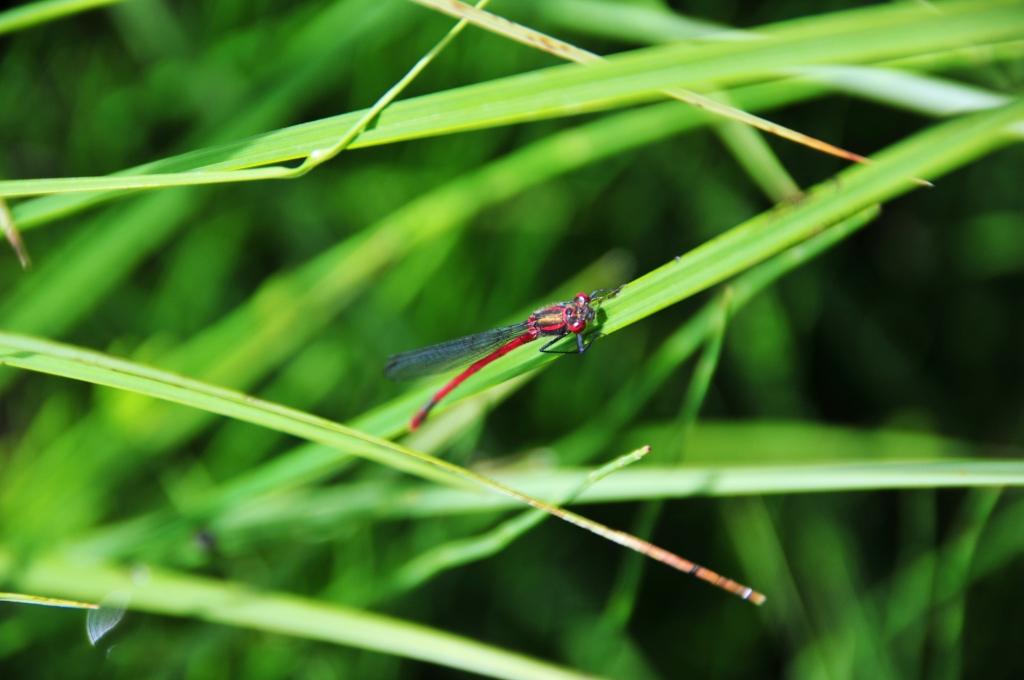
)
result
[(176, 366)]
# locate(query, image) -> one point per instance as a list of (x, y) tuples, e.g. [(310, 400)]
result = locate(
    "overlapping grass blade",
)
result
[(863, 36), (74, 279), (570, 52), (654, 481), (289, 309), (946, 144), (930, 153), (62, 360), (462, 551)]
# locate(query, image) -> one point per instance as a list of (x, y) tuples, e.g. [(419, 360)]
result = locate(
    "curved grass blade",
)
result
[(564, 50), (648, 482), (71, 362), (950, 143), (862, 36), (932, 152), (315, 157), (268, 497)]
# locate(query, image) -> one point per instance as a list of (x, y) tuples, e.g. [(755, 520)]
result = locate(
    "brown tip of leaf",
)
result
[(13, 236)]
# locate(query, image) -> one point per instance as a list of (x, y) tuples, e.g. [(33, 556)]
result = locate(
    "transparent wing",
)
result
[(445, 356)]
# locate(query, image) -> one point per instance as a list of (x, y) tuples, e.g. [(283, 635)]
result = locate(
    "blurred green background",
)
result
[(901, 343)]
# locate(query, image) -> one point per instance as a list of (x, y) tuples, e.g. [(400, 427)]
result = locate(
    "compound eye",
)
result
[(582, 298), (576, 325)]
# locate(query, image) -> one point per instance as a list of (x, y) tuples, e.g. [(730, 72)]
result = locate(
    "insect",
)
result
[(553, 322)]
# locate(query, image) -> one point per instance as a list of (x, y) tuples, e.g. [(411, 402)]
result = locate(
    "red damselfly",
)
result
[(554, 321)]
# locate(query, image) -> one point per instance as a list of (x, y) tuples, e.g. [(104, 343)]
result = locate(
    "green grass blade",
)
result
[(681, 344), (859, 36), (930, 153), (465, 550), (34, 13), (652, 482), (70, 362), (173, 594), (267, 496), (75, 278), (286, 311), (947, 143), (621, 601)]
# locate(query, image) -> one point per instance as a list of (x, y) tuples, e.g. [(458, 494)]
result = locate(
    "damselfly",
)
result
[(554, 321)]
